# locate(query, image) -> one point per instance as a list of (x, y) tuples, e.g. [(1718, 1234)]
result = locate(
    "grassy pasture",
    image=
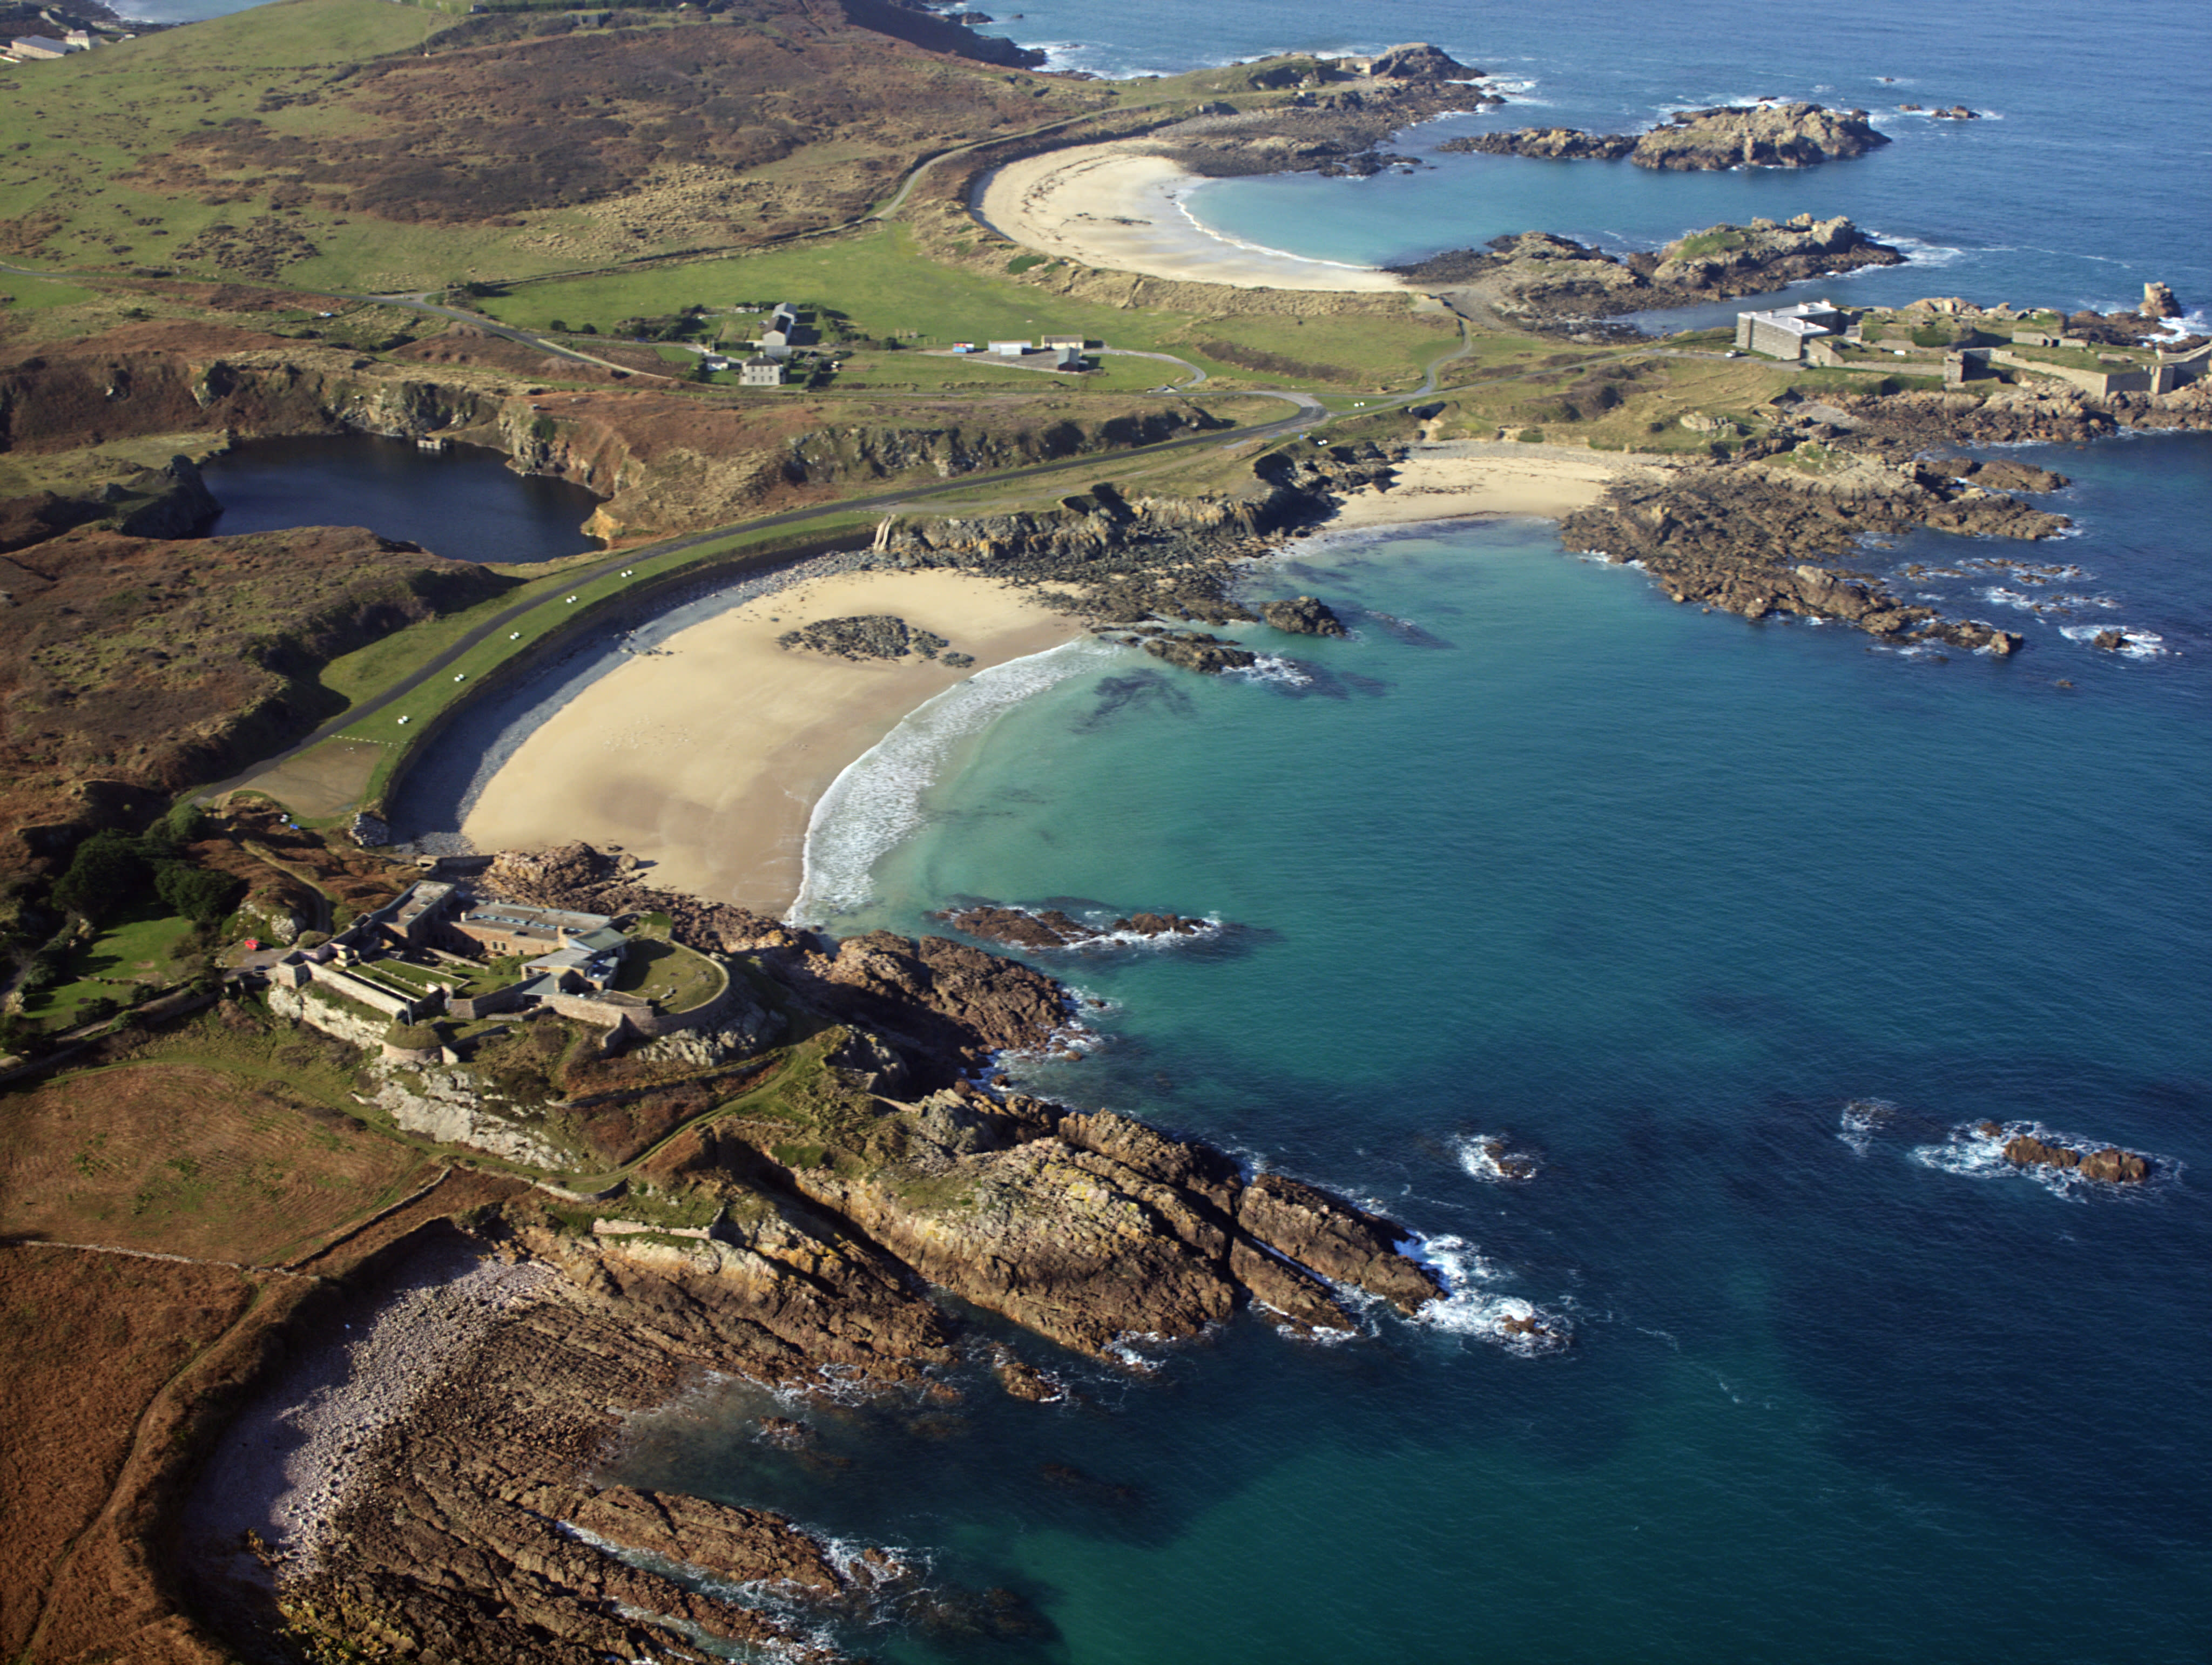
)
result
[(144, 950), (187, 1160), (882, 285)]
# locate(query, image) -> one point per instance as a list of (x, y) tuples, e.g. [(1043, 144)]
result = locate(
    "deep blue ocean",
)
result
[(1733, 930)]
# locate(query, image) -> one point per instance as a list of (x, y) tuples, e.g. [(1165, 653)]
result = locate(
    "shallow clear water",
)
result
[(2086, 177), (465, 503), (1731, 928)]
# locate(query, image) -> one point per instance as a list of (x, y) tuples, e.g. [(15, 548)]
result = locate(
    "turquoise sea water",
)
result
[(1733, 930)]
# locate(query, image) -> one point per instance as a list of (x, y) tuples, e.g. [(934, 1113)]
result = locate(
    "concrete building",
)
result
[(33, 48), (760, 371), (1784, 333), (1009, 349), (1051, 343)]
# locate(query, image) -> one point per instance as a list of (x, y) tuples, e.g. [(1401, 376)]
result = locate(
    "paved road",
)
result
[(1307, 408)]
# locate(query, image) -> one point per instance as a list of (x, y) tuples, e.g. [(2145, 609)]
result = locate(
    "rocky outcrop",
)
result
[(1089, 1229), (1551, 144), (1302, 615), (951, 1004), (1050, 927), (452, 1106), (1768, 135), (1131, 558), (576, 876), (1209, 655), (2111, 1164), (1548, 278), (1418, 61), (2158, 302), (870, 636), (1763, 540)]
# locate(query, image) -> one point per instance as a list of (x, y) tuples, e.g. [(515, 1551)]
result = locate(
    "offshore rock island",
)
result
[(364, 1196)]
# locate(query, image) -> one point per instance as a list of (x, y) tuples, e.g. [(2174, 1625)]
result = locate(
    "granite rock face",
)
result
[(1302, 615)]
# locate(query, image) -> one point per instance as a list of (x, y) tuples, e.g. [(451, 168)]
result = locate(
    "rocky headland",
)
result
[(790, 1209), (1541, 277), (1766, 135), (1770, 537)]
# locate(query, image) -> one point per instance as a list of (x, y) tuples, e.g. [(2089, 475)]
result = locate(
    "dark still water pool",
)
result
[(465, 503)]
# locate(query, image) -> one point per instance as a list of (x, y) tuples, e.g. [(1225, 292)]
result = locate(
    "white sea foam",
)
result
[(1177, 194), (1271, 667), (1973, 1151), (1484, 1156), (1861, 1119), (2139, 644), (875, 805), (1471, 1306), (1920, 253)]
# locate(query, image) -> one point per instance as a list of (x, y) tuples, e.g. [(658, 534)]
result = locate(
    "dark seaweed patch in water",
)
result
[(1136, 691), (1404, 629)]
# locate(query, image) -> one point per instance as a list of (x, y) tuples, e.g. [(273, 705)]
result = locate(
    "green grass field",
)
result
[(145, 950), (668, 974), (882, 286)]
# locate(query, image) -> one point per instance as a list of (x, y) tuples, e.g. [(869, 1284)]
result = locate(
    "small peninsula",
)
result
[(374, 1167)]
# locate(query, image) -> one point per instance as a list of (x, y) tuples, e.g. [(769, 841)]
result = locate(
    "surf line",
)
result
[(874, 805)]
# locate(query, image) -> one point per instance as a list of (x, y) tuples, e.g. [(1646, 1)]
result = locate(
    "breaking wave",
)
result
[(875, 805), (1471, 1306)]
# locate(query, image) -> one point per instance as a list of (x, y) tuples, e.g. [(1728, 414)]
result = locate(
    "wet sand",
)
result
[(706, 758), (1113, 206)]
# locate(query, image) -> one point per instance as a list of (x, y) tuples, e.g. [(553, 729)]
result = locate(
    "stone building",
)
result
[(1783, 333)]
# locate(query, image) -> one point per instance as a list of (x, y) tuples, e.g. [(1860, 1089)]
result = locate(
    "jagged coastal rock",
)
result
[(2111, 1164), (1543, 276), (1770, 540), (1766, 135), (1302, 615), (1050, 928)]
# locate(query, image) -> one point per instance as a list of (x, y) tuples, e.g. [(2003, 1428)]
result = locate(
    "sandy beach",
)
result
[(1113, 206), (706, 758), (1450, 479)]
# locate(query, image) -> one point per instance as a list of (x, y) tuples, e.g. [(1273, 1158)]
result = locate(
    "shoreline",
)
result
[(626, 753), (1118, 207), (705, 757)]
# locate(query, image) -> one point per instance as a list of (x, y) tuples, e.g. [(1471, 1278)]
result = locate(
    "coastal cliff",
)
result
[(797, 1226)]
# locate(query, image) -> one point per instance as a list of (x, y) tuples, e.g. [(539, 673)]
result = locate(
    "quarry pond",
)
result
[(462, 502)]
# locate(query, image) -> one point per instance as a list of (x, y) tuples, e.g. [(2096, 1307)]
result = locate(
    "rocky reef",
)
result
[(1302, 615), (1784, 538), (1050, 928), (1765, 135), (2111, 1165), (1542, 277)]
